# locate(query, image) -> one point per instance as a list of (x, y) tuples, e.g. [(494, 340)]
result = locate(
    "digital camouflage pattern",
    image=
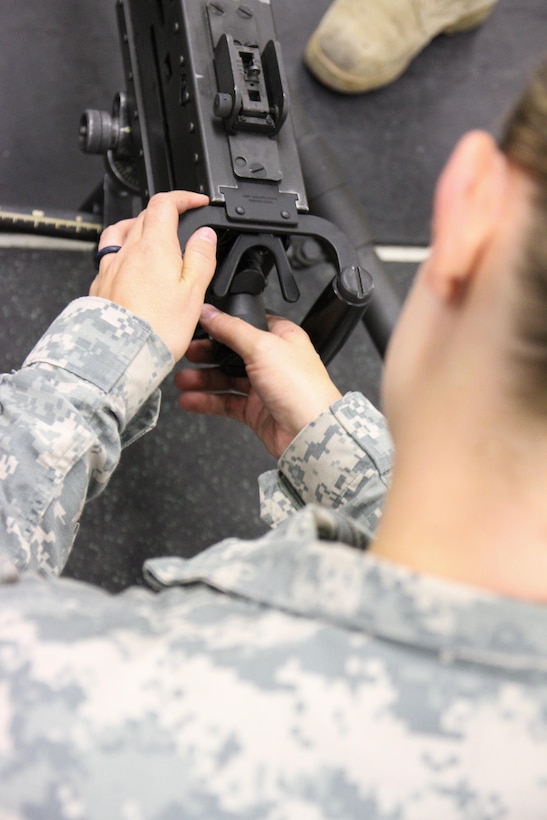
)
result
[(342, 459), (295, 676), (88, 388)]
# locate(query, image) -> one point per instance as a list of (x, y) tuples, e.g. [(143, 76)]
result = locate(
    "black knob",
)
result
[(98, 132), (223, 105)]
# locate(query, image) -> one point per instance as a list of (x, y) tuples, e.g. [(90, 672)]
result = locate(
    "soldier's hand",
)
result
[(286, 387), (149, 275)]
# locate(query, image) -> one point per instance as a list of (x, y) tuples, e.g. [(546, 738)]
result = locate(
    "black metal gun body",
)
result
[(207, 109), (202, 90)]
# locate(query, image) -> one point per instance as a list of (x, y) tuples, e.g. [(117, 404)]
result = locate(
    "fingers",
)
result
[(209, 379), (287, 384), (116, 234), (200, 257), (161, 216), (235, 333), (200, 351), (158, 225), (242, 337), (226, 405), (149, 275)]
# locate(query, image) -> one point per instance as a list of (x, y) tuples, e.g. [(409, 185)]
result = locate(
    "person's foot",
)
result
[(360, 45)]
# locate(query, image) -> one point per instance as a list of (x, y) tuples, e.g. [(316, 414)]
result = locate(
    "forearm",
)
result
[(342, 460), (87, 389)]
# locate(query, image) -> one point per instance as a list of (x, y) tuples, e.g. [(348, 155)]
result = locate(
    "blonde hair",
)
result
[(525, 143)]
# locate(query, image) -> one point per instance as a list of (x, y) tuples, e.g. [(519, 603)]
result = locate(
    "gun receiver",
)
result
[(207, 109)]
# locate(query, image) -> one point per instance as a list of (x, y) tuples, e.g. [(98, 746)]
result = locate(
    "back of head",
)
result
[(525, 143)]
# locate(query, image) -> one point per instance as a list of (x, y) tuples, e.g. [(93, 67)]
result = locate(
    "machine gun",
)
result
[(207, 108)]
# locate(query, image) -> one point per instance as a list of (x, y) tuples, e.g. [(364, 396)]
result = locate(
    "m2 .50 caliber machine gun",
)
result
[(207, 108)]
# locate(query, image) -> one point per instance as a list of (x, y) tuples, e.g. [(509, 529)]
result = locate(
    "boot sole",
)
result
[(334, 78)]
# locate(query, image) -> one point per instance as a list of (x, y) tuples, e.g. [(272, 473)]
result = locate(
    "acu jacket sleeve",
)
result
[(88, 388), (342, 461)]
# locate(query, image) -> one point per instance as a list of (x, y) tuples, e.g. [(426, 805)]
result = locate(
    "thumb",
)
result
[(235, 333), (199, 260)]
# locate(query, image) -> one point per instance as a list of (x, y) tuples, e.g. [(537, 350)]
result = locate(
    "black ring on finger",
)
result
[(103, 252)]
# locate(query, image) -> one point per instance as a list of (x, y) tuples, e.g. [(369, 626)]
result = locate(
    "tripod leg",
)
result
[(109, 201), (93, 204), (117, 202), (331, 197)]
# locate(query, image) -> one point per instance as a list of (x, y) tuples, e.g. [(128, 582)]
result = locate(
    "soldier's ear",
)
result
[(466, 208)]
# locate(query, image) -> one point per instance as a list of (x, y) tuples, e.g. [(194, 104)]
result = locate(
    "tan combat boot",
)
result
[(364, 44)]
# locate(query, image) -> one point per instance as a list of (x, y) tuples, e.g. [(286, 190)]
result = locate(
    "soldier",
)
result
[(320, 671)]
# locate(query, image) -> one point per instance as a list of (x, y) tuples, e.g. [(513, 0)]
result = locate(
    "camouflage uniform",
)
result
[(295, 676)]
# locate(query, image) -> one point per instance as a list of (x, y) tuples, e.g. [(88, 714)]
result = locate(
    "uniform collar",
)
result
[(314, 565)]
